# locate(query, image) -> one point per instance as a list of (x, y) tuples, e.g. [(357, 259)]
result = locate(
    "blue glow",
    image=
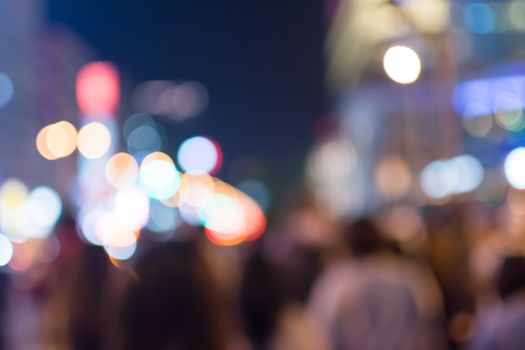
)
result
[(480, 18), (6, 90), (481, 97)]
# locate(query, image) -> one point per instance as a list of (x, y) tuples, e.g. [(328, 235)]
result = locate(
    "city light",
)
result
[(402, 64), (41, 144), (97, 89), (94, 140), (61, 139), (6, 250), (122, 170), (458, 175), (158, 177), (514, 168), (6, 90), (199, 154)]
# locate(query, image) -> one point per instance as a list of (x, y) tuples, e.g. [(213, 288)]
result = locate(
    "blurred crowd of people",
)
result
[(384, 282)]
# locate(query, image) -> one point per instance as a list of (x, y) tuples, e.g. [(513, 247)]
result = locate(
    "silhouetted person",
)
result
[(76, 314), (264, 293), (173, 303), (374, 299), (503, 326)]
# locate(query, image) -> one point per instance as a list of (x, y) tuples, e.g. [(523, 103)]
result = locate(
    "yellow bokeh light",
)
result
[(41, 144), (61, 139), (122, 170), (13, 193), (94, 140), (402, 64)]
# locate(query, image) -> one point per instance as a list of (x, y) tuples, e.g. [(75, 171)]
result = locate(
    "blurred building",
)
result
[(466, 95), (37, 77)]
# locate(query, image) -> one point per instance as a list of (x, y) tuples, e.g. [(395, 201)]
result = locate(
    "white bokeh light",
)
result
[(6, 250), (514, 168), (402, 64), (198, 154)]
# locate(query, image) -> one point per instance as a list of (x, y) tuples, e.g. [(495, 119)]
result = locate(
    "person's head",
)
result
[(364, 238), (263, 294), (173, 303), (511, 277)]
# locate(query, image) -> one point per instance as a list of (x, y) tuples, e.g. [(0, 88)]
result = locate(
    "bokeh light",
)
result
[(6, 90), (61, 139), (195, 188), (393, 177), (158, 177), (44, 208), (121, 252), (199, 154), (113, 232), (131, 206), (479, 18), (87, 221), (122, 170), (331, 161), (516, 13), (177, 101), (144, 138), (402, 64), (478, 126), (457, 175), (6, 250), (97, 89), (41, 144), (514, 168), (94, 140), (13, 193), (224, 215)]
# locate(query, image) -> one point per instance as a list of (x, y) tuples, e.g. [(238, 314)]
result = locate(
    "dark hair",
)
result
[(511, 277), (364, 238), (263, 294), (173, 304)]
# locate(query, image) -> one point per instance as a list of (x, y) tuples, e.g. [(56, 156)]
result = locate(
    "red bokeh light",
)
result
[(98, 90)]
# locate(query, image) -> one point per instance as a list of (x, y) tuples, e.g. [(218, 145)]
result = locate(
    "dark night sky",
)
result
[(262, 62)]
